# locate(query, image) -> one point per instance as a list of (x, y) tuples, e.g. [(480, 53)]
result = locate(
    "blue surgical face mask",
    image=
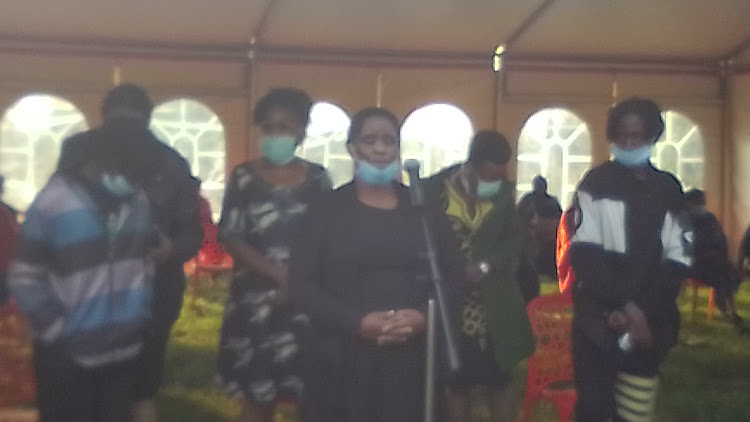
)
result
[(486, 190), (376, 176), (278, 150), (631, 157), (117, 185)]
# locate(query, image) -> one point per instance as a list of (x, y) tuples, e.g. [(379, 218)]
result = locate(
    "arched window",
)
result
[(31, 133), (437, 135), (680, 150), (197, 133), (325, 142), (556, 144)]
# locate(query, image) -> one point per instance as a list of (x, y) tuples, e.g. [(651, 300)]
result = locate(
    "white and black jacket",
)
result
[(628, 243)]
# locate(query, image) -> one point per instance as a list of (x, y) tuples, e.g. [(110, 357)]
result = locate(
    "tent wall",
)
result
[(504, 100), (740, 152)]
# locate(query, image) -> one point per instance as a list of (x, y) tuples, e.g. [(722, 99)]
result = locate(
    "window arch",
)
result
[(680, 150), (196, 132), (437, 135), (31, 132), (556, 144), (325, 142)]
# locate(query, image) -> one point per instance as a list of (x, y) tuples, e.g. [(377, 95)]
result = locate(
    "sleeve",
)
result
[(233, 223), (588, 257), (187, 232), (503, 249), (28, 277), (676, 239), (565, 275), (306, 275), (452, 262)]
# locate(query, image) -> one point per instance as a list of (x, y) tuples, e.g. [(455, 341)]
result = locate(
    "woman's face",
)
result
[(631, 132), (377, 143), (279, 121)]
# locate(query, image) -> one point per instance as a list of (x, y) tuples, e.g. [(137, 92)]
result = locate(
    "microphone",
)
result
[(411, 167)]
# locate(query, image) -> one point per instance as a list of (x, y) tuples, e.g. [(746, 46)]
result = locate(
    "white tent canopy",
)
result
[(666, 31)]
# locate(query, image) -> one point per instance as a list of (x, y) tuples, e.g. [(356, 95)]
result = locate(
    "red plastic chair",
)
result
[(696, 284), (550, 368), (17, 383), (211, 261)]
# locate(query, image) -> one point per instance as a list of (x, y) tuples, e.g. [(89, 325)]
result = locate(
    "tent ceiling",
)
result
[(667, 30), (423, 25), (671, 29), (153, 21)]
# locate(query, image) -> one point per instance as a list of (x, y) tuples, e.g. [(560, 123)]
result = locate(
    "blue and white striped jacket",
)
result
[(82, 275)]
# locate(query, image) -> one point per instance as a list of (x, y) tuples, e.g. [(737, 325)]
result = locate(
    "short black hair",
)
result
[(128, 96), (293, 100), (646, 109), (359, 119), (695, 198), (489, 146)]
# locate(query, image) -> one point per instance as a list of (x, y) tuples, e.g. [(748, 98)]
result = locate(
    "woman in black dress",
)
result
[(355, 271), (258, 352)]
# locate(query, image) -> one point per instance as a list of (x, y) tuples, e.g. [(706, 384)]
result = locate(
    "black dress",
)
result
[(352, 260), (387, 276)]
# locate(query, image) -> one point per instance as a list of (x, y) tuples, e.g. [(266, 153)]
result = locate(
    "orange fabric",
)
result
[(565, 275)]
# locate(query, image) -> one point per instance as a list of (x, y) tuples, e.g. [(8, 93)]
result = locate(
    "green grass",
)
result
[(706, 378)]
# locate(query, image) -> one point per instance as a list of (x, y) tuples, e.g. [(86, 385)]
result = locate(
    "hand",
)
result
[(163, 250), (639, 329), (406, 322), (618, 321), (386, 340), (401, 326), (371, 326)]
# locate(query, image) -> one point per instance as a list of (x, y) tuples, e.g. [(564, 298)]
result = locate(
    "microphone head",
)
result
[(412, 167)]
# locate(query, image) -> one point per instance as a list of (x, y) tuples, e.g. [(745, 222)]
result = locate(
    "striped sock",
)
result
[(635, 397)]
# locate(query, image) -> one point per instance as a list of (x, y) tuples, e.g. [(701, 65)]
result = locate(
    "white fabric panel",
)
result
[(673, 239), (601, 222)]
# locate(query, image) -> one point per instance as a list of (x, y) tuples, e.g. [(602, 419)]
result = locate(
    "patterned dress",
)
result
[(258, 351)]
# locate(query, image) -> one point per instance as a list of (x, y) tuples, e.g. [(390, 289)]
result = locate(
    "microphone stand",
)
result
[(439, 301)]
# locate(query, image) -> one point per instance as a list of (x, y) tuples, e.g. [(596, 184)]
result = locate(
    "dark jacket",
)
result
[(498, 241), (323, 276), (172, 191), (628, 243)]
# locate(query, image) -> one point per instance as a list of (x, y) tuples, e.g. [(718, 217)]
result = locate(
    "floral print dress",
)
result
[(258, 356)]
